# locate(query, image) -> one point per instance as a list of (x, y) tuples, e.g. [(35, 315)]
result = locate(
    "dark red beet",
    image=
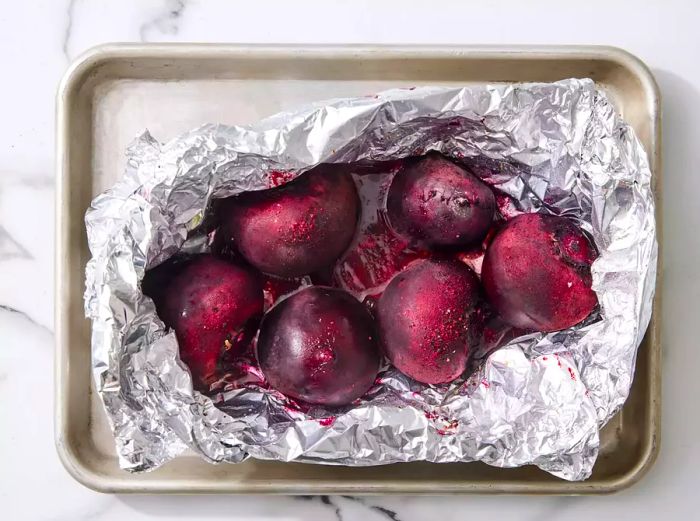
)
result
[(319, 345), (156, 280), (297, 228), (438, 204), (537, 273), (214, 306), (430, 319)]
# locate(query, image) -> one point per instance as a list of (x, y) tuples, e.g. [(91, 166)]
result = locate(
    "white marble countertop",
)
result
[(38, 40)]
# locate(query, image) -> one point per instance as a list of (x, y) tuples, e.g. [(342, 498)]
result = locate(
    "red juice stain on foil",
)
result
[(326, 422), (485, 384), (449, 429), (279, 177), (572, 374), (506, 206), (377, 253)]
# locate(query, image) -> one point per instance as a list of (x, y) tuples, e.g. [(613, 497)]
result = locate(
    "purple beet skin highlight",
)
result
[(430, 318), (438, 204), (297, 228), (213, 306), (537, 273), (319, 345)]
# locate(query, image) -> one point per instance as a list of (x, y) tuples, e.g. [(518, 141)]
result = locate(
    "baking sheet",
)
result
[(117, 91)]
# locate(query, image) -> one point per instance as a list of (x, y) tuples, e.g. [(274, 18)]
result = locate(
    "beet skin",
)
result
[(537, 273), (213, 306), (430, 319), (297, 228), (439, 204), (319, 345)]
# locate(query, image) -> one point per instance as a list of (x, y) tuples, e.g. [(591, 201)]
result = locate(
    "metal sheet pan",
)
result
[(113, 92)]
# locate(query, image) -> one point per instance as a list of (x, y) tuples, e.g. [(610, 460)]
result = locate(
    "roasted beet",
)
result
[(537, 273), (297, 228), (319, 345), (155, 281), (439, 204), (430, 319), (213, 306)]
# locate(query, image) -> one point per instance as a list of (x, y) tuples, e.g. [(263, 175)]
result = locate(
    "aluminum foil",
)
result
[(541, 399)]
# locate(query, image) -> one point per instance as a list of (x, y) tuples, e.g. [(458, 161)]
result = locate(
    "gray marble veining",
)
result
[(167, 22)]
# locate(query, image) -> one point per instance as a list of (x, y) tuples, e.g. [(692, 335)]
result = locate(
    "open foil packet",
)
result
[(541, 399)]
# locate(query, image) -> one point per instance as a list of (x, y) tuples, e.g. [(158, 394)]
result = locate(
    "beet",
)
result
[(213, 305), (297, 228), (319, 345), (537, 273), (439, 204), (430, 319)]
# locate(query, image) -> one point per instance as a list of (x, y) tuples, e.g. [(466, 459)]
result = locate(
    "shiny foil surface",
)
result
[(541, 399)]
